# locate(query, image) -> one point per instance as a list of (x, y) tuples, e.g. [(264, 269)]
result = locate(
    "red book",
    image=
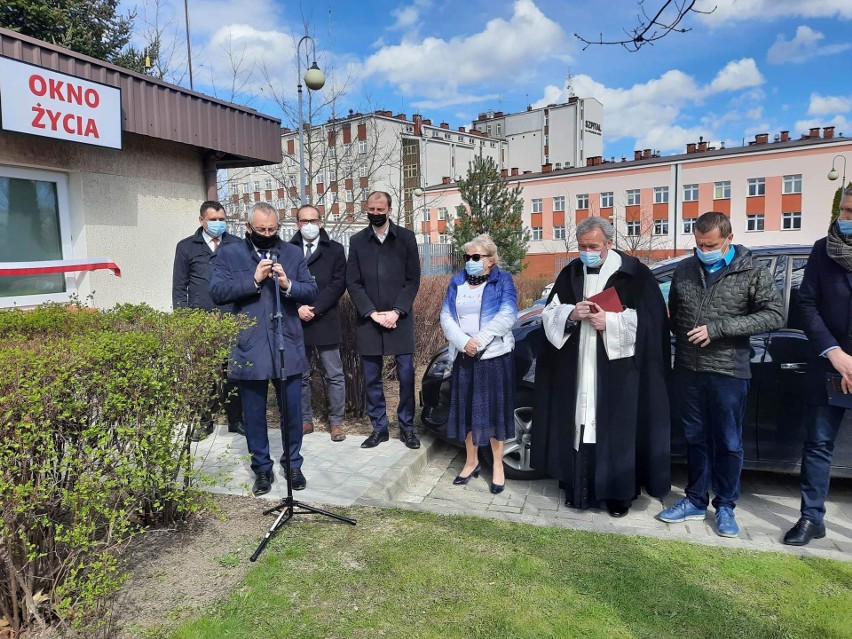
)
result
[(607, 300)]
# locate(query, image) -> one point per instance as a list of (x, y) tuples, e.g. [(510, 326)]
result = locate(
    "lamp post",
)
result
[(419, 192), (314, 80), (832, 175)]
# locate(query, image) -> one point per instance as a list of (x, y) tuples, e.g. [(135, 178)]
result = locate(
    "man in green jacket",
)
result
[(719, 298)]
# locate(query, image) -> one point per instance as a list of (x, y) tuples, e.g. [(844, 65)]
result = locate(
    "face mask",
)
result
[(591, 259), (216, 227), (845, 226), (710, 257), (263, 242), (474, 268), (377, 220), (310, 231)]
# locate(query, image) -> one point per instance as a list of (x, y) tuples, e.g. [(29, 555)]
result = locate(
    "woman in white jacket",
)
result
[(477, 318)]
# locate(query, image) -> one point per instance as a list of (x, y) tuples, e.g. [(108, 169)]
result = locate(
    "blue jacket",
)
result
[(497, 315), (824, 309), (255, 355)]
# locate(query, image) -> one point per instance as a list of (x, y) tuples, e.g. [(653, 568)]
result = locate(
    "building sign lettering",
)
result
[(593, 127), (41, 102)]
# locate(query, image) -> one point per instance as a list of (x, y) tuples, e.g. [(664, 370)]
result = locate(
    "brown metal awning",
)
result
[(239, 136)]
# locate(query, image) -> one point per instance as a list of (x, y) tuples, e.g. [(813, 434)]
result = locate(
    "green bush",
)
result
[(95, 414)]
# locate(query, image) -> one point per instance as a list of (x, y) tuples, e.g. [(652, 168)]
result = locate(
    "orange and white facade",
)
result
[(774, 192)]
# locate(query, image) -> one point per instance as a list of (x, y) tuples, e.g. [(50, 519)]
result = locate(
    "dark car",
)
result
[(773, 429)]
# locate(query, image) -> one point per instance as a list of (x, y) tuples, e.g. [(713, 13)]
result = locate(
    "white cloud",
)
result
[(825, 104), (839, 122), (408, 15), (435, 68), (459, 98), (739, 10), (804, 46), (737, 74)]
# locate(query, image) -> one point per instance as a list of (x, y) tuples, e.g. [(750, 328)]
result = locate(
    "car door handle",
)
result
[(794, 366)]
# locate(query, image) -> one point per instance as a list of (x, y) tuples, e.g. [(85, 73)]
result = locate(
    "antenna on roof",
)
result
[(569, 86)]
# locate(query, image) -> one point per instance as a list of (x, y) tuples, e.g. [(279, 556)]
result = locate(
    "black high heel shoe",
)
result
[(496, 489), (461, 481)]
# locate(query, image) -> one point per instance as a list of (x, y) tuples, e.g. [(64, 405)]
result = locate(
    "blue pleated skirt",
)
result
[(482, 399)]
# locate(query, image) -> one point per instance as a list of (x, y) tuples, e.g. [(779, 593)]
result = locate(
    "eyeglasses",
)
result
[(265, 232), (475, 257), (313, 221)]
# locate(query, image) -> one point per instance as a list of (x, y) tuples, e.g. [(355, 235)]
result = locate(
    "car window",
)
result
[(665, 282), (796, 274)]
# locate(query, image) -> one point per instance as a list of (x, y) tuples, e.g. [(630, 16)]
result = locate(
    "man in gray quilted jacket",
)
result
[(718, 299)]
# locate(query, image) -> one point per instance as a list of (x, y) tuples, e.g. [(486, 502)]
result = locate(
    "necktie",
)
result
[(215, 244), (310, 250)]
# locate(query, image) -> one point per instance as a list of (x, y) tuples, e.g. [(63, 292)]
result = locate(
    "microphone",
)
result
[(272, 254)]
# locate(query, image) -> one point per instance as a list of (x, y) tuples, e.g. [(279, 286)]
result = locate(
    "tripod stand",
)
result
[(288, 506)]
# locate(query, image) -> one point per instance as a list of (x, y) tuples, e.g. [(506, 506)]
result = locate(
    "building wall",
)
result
[(131, 205)]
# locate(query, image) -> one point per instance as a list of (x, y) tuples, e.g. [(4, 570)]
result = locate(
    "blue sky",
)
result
[(750, 66)]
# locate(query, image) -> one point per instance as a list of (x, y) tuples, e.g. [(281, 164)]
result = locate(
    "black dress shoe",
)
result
[(375, 438), (803, 532), (409, 438), (263, 483), (238, 428), (617, 508), (297, 479)]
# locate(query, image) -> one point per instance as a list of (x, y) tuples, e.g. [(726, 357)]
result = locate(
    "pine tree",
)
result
[(494, 208), (835, 206)]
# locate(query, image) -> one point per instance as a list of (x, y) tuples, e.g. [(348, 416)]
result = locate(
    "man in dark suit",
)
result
[(383, 275), (243, 275), (321, 321), (825, 312), (191, 289)]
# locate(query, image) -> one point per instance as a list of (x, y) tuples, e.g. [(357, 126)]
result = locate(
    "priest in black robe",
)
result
[(601, 420)]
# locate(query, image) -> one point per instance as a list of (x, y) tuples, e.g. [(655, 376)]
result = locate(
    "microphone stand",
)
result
[(288, 506)]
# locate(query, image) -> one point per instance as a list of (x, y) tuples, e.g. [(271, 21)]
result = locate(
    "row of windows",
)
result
[(721, 191)]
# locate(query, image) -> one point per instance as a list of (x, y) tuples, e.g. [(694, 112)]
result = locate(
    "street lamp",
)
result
[(314, 80), (419, 192), (832, 175)]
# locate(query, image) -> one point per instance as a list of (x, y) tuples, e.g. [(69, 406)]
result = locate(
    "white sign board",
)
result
[(40, 102)]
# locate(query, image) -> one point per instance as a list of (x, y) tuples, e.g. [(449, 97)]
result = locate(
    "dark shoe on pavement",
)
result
[(238, 428), (617, 508), (409, 438), (307, 428), (263, 483), (803, 532), (298, 479), (337, 434), (375, 438), (202, 431)]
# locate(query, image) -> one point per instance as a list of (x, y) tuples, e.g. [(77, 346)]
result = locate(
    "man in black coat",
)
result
[(825, 309), (191, 289), (383, 275), (601, 420), (244, 275), (321, 320)]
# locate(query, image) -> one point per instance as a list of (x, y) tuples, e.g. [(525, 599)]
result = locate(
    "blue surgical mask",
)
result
[(845, 226), (710, 257), (474, 268), (591, 259), (216, 227)]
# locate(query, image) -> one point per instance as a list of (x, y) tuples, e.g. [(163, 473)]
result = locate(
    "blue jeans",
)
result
[(823, 425), (329, 357), (712, 408), (253, 394), (376, 407)]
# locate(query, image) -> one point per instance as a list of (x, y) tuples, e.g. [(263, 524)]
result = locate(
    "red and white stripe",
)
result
[(8, 269)]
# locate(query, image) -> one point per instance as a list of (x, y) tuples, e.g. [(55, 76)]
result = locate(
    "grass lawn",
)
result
[(405, 574)]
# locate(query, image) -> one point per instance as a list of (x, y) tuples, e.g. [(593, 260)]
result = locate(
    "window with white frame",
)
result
[(582, 201), (791, 221), (756, 186), (332, 153), (633, 197), (689, 224), (350, 196), (661, 195), (661, 227), (268, 184), (722, 190), (754, 222), (442, 238), (536, 205), (606, 200), (332, 175), (257, 186), (246, 187), (34, 225), (559, 232), (427, 215), (320, 177), (792, 184), (235, 189), (362, 146), (690, 192), (362, 170), (536, 233), (442, 212), (559, 203), (634, 227)]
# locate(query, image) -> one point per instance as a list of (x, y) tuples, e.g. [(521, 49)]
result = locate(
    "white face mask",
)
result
[(310, 231)]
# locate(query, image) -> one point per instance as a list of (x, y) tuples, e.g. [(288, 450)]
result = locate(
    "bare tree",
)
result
[(643, 237), (668, 18), (164, 39)]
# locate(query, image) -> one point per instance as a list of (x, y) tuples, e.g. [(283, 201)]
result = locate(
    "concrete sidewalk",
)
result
[(391, 475)]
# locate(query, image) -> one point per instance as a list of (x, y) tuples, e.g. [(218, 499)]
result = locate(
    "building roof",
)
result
[(238, 135)]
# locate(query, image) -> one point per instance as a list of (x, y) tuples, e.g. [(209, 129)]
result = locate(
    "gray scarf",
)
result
[(839, 247)]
